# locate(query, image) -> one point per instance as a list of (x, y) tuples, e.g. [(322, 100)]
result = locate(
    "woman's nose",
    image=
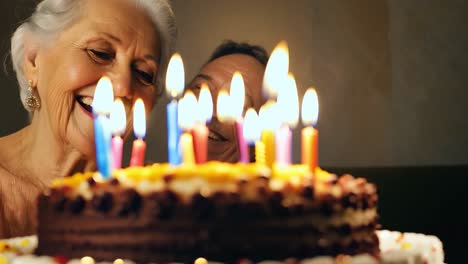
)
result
[(122, 83)]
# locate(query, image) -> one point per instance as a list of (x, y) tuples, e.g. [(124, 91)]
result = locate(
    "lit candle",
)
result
[(276, 70), (102, 106), (174, 87), (289, 116), (252, 133), (205, 101), (223, 107), (139, 128), (275, 77), (237, 95), (118, 122), (269, 118), (187, 106), (200, 131), (309, 141)]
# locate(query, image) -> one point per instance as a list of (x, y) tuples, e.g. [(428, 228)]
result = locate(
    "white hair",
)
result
[(52, 16)]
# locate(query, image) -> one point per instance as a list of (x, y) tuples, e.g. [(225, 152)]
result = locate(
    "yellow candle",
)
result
[(260, 153), (186, 145), (269, 119), (187, 105), (268, 140)]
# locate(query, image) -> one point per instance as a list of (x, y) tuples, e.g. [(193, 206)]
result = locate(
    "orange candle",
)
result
[(139, 127), (309, 135), (309, 139)]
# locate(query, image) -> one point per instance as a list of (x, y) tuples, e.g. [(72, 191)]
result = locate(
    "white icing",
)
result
[(396, 248)]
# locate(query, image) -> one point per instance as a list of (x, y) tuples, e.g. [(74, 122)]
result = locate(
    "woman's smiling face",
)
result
[(111, 38)]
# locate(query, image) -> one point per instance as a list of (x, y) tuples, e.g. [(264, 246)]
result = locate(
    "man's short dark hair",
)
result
[(229, 47)]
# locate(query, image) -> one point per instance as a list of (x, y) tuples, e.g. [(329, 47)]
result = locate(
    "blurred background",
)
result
[(392, 81)]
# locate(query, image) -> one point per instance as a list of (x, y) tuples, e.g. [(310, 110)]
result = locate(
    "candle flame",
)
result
[(269, 117), (103, 97), (310, 107), (224, 107), (252, 129), (237, 95), (118, 118), (175, 76), (205, 103), (139, 119), (276, 70), (288, 102), (187, 107)]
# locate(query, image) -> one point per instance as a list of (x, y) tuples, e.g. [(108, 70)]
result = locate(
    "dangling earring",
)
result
[(32, 101)]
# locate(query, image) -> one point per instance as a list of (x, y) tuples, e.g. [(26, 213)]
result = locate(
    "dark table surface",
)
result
[(429, 200)]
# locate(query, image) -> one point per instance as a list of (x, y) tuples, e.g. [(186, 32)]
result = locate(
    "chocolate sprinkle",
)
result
[(131, 202), (77, 205), (103, 202)]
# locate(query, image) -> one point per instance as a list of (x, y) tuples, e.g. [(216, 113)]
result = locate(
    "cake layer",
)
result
[(221, 242), (161, 214)]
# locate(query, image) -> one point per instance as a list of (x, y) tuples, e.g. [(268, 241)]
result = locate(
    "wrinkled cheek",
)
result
[(59, 107)]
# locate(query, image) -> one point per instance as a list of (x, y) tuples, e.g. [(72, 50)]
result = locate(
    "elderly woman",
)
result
[(59, 54), (229, 57)]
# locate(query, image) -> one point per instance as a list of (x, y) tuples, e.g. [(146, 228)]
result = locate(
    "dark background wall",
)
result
[(390, 74), (391, 77)]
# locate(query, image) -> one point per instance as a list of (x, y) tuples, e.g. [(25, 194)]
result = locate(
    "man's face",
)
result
[(217, 74)]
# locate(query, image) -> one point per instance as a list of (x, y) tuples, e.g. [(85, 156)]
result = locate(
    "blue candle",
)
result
[(102, 105), (173, 133), (175, 88), (102, 135)]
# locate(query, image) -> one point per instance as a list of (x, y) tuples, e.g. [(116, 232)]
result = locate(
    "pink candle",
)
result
[(237, 97), (139, 127), (118, 123), (283, 140), (288, 112), (117, 147), (243, 148)]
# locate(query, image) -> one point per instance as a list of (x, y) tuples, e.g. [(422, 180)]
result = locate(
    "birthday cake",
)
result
[(219, 211)]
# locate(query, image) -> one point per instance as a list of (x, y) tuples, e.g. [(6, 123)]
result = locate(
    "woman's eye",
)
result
[(145, 77), (101, 56)]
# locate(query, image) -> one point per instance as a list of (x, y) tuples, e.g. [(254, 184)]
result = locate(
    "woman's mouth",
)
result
[(85, 102)]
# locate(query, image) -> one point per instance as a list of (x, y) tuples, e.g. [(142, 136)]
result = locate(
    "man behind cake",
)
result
[(217, 72)]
